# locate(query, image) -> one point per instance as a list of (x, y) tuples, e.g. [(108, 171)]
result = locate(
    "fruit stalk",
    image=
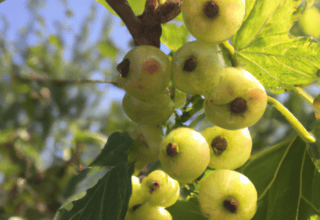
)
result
[(231, 52), (302, 132), (304, 95)]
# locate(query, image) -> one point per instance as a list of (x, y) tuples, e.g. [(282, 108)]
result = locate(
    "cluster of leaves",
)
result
[(41, 116)]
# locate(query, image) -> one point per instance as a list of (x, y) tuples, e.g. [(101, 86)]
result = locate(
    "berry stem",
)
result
[(302, 132), (231, 52), (304, 95)]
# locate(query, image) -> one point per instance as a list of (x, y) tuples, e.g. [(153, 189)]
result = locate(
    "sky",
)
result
[(17, 14)]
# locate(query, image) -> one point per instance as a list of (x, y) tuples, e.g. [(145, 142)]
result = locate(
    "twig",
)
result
[(63, 81), (145, 29)]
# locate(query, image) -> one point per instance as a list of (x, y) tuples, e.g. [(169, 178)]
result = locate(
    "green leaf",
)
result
[(278, 61), (173, 36), (107, 200), (186, 210), (280, 175), (137, 6), (115, 150), (107, 49), (265, 18), (55, 40)]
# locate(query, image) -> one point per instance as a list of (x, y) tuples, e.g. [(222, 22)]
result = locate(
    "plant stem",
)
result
[(302, 132), (228, 47), (304, 95)]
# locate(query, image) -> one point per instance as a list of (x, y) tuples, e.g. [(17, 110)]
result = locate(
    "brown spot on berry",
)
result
[(211, 9), (155, 185), (150, 66), (238, 106), (231, 205), (219, 144), (123, 67), (171, 149), (257, 95), (190, 64)]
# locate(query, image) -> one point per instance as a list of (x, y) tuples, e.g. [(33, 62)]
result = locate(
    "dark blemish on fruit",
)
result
[(211, 9), (123, 68), (150, 66), (156, 184), (238, 106), (231, 205), (190, 64), (171, 149), (219, 144)]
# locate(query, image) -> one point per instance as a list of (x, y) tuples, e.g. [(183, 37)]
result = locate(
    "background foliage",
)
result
[(50, 132)]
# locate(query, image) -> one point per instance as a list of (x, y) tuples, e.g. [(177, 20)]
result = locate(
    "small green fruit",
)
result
[(229, 149), (227, 195), (184, 154), (145, 72), (239, 100), (160, 189), (137, 196), (213, 21), (196, 67), (145, 147), (149, 113), (149, 212)]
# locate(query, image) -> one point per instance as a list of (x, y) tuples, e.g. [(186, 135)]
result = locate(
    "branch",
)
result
[(145, 29), (60, 81)]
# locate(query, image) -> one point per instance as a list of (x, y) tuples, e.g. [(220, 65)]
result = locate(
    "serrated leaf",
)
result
[(107, 200), (279, 174), (278, 61), (173, 36), (265, 18), (115, 150)]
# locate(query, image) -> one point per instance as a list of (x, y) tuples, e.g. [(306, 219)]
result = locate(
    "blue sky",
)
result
[(17, 14)]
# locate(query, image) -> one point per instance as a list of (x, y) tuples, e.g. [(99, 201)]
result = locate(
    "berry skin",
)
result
[(149, 212), (239, 100), (229, 149), (229, 195), (145, 147), (145, 72), (160, 189), (137, 196), (196, 67), (149, 113), (213, 21), (184, 154)]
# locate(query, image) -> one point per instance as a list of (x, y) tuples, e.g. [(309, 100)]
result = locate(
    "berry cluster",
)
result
[(234, 100), (150, 198)]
